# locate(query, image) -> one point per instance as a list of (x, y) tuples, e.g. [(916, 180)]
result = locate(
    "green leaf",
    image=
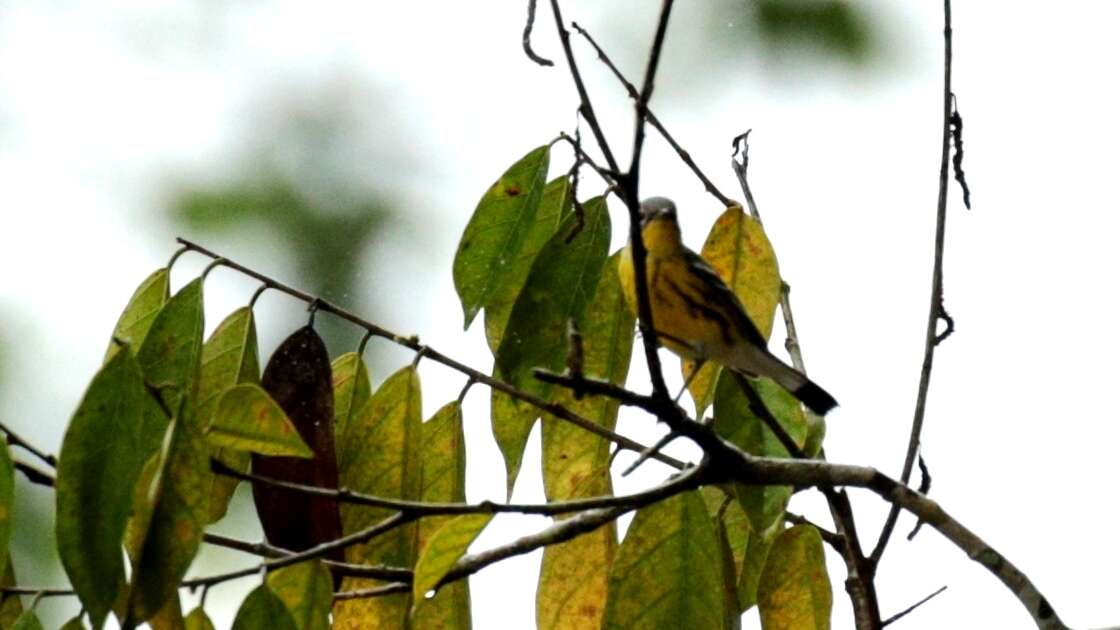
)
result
[(169, 357), (511, 422), (263, 609), (27, 621), (572, 457), (668, 572), (382, 457), (229, 357), (306, 590), (754, 560), (10, 605), (177, 520), (248, 419), (560, 285), (734, 529), (794, 592), (444, 475), (75, 623), (138, 315), (497, 232), (572, 588), (739, 251), (7, 489), (116, 427), (555, 201), (351, 389), (735, 422), (197, 620), (443, 550)]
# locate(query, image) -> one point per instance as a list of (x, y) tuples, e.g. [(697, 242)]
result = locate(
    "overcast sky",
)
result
[(100, 109)]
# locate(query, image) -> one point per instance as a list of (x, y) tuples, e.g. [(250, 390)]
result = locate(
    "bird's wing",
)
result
[(719, 295)]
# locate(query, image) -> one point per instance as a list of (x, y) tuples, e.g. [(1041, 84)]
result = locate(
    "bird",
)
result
[(697, 316)]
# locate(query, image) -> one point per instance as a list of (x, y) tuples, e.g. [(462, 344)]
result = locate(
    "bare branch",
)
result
[(413, 343), (419, 509), (379, 572), (896, 617), (632, 91), (585, 108), (936, 298), (15, 440), (527, 34)]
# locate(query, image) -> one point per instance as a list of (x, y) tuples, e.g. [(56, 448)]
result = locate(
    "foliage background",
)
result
[(342, 148)]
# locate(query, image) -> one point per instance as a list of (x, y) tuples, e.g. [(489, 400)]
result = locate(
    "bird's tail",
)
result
[(812, 395)]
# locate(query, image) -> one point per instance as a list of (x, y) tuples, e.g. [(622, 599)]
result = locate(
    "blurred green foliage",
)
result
[(824, 29), (324, 244)]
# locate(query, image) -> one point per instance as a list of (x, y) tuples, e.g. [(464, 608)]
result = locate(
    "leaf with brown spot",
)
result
[(497, 232)]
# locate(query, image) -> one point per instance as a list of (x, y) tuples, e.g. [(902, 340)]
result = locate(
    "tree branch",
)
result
[(936, 298), (413, 343), (419, 509), (585, 108), (15, 440), (379, 572), (632, 91)]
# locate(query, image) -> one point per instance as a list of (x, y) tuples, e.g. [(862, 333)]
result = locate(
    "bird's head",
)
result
[(655, 208)]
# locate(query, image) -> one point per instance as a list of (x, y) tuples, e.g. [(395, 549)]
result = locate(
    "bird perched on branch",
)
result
[(696, 315)]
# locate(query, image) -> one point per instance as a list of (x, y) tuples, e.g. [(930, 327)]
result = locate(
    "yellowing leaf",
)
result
[(262, 610), (116, 428), (177, 520), (669, 571), (140, 312), (572, 589), (496, 234), (27, 621), (794, 592), (306, 590), (739, 251), (197, 620), (350, 381), (382, 457), (443, 550), (248, 419), (444, 475)]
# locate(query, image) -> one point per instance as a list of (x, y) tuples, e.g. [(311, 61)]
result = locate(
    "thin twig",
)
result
[(936, 298), (585, 108), (896, 617), (413, 343), (833, 539), (632, 91), (15, 440), (318, 551), (379, 572), (420, 509), (33, 474), (527, 34)]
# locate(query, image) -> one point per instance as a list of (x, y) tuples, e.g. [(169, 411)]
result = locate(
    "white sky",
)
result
[(100, 109)]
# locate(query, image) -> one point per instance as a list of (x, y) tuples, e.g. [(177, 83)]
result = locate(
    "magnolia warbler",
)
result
[(696, 315)]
